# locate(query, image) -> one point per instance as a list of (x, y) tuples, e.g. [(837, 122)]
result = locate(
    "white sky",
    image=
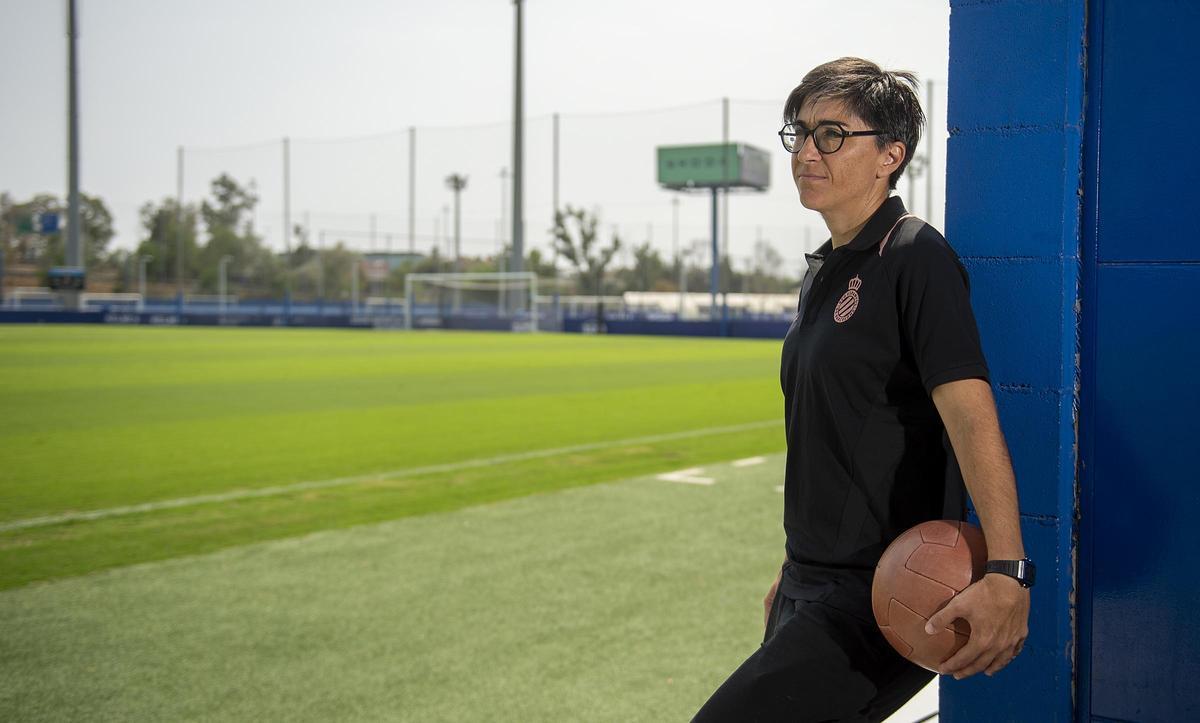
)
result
[(205, 74)]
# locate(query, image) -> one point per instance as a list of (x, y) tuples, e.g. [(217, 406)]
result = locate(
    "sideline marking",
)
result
[(749, 461), (48, 520), (688, 476), (779, 488)]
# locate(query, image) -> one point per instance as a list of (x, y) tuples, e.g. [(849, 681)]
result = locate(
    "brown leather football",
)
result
[(918, 574)]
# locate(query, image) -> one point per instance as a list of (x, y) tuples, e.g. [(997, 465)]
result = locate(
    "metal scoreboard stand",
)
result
[(715, 167)]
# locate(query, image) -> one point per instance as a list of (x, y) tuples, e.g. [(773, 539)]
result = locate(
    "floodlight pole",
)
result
[(412, 189), (142, 260), (724, 210), (408, 301), (518, 215), (179, 227), (555, 184), (715, 273), (222, 284), (287, 224), (929, 154), (74, 249), (446, 227), (554, 246), (675, 251), (911, 179), (321, 265), (501, 265), (456, 182)]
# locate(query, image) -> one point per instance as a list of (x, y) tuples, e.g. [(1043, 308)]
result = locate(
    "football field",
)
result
[(125, 445), (228, 524)]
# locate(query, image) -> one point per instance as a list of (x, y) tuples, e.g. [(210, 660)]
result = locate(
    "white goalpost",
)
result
[(430, 298)]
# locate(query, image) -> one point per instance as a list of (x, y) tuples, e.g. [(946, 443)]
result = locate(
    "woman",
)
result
[(881, 363)]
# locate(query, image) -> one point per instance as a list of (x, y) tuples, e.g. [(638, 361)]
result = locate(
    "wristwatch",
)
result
[(1023, 570)]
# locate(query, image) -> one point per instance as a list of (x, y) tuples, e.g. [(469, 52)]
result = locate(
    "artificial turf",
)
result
[(103, 417), (626, 601)]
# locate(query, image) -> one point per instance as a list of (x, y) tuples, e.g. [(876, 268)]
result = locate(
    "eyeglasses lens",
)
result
[(788, 134), (828, 138)]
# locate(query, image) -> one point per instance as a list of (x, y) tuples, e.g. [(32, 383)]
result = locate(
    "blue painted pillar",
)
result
[(1016, 114), (1139, 574)]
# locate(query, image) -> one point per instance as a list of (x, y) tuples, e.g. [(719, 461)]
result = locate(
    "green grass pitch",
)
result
[(97, 418), (622, 601)]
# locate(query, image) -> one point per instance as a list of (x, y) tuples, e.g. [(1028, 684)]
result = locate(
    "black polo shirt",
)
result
[(879, 326)]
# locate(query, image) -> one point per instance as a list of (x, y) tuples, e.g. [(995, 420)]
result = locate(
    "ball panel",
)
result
[(950, 566), (896, 641), (927, 651), (939, 532), (921, 594), (891, 564)]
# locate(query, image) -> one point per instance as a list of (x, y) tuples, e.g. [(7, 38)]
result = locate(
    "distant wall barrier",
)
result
[(736, 327)]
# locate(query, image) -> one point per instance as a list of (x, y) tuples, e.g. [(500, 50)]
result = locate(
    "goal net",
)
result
[(473, 300)]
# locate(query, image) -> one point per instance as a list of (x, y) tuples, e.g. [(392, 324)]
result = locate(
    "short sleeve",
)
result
[(934, 302)]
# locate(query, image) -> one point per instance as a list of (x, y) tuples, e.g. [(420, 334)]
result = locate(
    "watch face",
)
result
[(1027, 573)]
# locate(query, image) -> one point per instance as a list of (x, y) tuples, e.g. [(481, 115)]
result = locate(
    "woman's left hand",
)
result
[(997, 609)]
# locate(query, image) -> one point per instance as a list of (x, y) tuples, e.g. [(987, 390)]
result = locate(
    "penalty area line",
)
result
[(234, 495)]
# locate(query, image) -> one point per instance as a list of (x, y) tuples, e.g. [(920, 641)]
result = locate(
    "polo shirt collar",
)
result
[(881, 222)]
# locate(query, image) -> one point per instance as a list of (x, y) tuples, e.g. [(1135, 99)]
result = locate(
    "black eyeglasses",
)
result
[(828, 137)]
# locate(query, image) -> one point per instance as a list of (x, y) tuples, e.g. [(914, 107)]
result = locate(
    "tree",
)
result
[(231, 233), (46, 250), (585, 253), (232, 202), (649, 273), (326, 272), (161, 223), (96, 225), (766, 266), (581, 247)]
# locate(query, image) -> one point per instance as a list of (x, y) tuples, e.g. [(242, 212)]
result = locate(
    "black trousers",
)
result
[(818, 662)]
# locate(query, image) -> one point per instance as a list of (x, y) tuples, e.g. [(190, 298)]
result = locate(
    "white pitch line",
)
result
[(779, 488), (343, 481), (687, 476), (749, 461)]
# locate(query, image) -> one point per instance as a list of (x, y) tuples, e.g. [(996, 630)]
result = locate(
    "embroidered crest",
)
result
[(848, 304)]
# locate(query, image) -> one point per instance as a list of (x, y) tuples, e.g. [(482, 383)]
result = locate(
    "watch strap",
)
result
[(1023, 570)]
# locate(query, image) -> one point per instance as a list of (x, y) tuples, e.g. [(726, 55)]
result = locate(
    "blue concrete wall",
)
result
[(1139, 577), (1016, 113)]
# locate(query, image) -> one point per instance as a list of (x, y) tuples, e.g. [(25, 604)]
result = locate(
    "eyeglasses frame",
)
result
[(807, 133)]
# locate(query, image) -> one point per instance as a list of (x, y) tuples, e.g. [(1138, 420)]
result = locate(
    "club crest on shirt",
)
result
[(848, 304)]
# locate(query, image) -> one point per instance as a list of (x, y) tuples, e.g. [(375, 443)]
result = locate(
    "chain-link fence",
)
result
[(342, 220)]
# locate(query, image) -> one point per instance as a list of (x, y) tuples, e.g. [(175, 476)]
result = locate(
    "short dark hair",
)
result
[(885, 99)]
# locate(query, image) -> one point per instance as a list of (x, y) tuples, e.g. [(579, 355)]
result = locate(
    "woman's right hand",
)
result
[(770, 598)]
